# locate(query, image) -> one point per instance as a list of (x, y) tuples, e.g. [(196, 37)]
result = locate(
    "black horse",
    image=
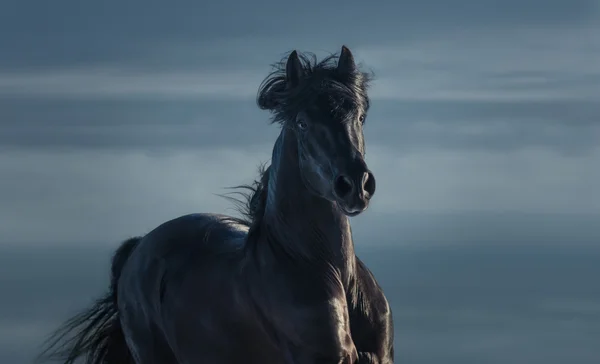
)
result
[(281, 286)]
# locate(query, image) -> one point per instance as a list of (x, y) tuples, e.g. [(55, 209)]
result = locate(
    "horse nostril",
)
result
[(368, 184), (343, 186)]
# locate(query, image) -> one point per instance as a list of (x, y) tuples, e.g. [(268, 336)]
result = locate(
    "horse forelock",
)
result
[(319, 78)]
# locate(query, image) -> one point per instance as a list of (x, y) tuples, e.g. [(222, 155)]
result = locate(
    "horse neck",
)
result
[(304, 226)]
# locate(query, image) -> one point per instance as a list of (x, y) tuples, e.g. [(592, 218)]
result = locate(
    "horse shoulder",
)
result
[(371, 318), (369, 295)]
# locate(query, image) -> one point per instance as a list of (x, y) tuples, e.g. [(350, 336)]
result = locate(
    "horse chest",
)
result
[(313, 320)]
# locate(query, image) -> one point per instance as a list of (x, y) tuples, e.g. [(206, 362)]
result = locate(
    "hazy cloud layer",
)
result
[(67, 196), (564, 126), (472, 87), (113, 31), (515, 64)]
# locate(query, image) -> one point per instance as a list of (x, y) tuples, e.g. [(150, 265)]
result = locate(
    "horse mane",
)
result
[(252, 199), (318, 78)]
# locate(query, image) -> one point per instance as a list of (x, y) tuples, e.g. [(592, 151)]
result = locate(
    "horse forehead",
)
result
[(335, 106)]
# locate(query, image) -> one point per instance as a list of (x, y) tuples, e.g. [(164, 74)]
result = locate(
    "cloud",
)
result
[(139, 124), (531, 179), (67, 33), (69, 197), (512, 65), (569, 127), (114, 83), (489, 90), (534, 64)]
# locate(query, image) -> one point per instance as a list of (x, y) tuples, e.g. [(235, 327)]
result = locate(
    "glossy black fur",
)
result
[(281, 286)]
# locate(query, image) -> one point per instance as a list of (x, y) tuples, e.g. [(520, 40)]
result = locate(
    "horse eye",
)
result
[(301, 125), (361, 118)]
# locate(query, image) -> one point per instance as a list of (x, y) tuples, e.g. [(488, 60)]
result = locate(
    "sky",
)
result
[(484, 132), (118, 116)]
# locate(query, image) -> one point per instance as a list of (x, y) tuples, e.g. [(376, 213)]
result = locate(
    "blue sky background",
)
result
[(484, 131), (118, 115)]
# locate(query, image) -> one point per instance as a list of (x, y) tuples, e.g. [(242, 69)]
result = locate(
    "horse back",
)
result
[(177, 245)]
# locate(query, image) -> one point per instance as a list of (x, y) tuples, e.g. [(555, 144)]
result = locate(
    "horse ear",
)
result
[(293, 70), (346, 61)]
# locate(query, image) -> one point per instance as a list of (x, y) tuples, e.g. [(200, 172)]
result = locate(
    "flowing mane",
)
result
[(252, 199)]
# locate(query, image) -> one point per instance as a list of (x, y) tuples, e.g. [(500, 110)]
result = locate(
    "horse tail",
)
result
[(95, 334)]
